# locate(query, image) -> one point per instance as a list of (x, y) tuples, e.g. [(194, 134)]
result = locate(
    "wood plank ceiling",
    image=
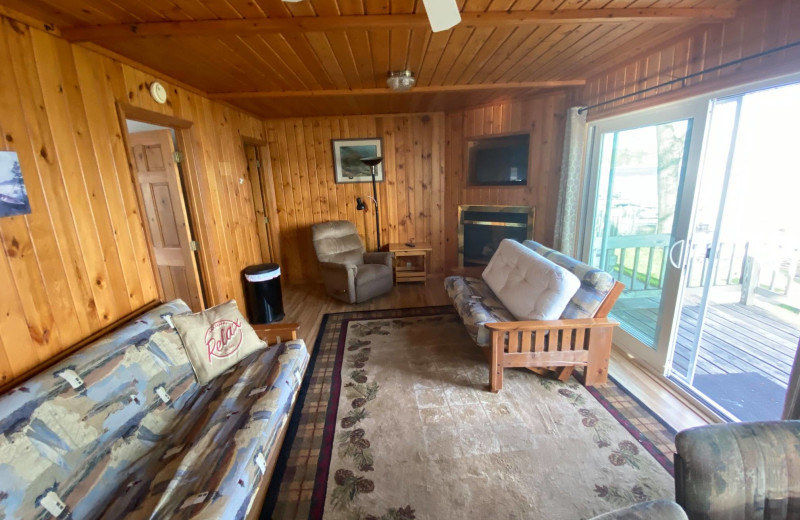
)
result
[(327, 57)]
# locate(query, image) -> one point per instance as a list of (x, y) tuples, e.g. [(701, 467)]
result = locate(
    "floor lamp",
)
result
[(373, 162)]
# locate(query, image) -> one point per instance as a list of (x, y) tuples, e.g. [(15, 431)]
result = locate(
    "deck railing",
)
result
[(728, 264), (640, 262)]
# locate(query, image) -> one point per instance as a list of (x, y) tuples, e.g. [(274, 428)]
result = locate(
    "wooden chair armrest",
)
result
[(586, 323), (272, 331)]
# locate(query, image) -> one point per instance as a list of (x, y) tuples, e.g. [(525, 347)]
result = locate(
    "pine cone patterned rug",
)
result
[(395, 422)]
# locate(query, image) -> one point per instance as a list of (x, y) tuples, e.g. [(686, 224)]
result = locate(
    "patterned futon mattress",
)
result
[(121, 429)]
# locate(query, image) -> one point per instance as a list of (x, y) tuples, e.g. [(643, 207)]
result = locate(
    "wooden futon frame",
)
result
[(559, 345)]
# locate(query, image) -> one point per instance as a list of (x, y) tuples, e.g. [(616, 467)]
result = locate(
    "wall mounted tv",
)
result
[(499, 161)]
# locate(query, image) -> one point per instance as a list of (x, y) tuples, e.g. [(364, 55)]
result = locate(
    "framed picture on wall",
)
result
[(347, 155), (13, 196)]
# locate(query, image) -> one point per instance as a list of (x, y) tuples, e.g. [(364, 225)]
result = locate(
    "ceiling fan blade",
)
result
[(443, 14)]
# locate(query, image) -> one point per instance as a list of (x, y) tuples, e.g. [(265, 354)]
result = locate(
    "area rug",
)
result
[(394, 422)]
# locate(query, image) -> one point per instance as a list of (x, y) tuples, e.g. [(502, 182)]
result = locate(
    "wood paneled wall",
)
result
[(544, 117), (79, 262), (758, 27), (411, 198)]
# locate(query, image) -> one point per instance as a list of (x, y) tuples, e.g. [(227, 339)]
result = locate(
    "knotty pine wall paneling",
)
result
[(79, 262), (544, 117), (411, 198), (757, 28)]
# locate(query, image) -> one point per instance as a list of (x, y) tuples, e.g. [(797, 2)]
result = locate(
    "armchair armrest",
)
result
[(728, 470), (379, 257), (339, 279), (340, 268), (273, 331)]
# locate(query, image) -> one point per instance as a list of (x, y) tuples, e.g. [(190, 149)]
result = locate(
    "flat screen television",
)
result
[(499, 161)]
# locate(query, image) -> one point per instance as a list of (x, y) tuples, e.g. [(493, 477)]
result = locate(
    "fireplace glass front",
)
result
[(481, 228)]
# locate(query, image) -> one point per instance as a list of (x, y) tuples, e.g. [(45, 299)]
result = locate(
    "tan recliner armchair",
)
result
[(350, 274)]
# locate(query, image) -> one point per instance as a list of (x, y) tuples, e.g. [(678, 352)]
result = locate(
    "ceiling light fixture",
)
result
[(401, 81)]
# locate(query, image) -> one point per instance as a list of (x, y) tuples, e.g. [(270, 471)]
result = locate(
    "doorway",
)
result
[(644, 166), (740, 304), (263, 192), (156, 165), (255, 171), (693, 207)]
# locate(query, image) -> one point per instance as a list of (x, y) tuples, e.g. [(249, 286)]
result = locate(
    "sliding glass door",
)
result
[(694, 208), (641, 167), (740, 306)]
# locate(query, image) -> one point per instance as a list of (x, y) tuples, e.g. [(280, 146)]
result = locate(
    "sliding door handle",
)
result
[(676, 265)]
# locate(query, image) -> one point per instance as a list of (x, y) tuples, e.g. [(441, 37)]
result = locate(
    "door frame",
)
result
[(658, 359), (683, 392), (699, 107), (261, 184), (190, 192)]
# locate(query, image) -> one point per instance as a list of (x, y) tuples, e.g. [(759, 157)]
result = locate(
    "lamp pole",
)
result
[(373, 162)]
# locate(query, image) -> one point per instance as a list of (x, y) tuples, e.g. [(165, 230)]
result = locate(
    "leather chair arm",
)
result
[(379, 257), (333, 266), (339, 278)]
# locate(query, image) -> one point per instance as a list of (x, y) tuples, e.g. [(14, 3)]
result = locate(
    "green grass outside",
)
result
[(641, 269)]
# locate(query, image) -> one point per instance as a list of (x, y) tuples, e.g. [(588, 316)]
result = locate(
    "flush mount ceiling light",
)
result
[(401, 81)]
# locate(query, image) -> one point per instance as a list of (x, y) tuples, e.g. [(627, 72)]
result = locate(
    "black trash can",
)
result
[(262, 291)]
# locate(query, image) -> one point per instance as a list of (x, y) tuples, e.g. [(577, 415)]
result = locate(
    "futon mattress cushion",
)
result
[(530, 286), (121, 429)]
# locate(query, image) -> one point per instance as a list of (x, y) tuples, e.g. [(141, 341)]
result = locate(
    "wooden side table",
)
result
[(410, 263)]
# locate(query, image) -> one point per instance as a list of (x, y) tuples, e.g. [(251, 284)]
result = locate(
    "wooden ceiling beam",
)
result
[(436, 89), (29, 20), (302, 24)]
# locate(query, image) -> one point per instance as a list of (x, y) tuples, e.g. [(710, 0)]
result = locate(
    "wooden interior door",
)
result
[(254, 171), (153, 154)]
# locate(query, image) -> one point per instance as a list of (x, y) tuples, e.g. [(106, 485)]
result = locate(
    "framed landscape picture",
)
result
[(13, 196), (347, 155)]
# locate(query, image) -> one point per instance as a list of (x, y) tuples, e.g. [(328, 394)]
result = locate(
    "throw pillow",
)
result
[(530, 286), (216, 339)]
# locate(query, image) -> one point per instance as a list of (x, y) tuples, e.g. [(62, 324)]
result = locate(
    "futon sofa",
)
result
[(537, 308), (122, 429)]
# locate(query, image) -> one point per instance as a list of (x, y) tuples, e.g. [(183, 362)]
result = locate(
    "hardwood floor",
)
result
[(655, 392), (307, 303)]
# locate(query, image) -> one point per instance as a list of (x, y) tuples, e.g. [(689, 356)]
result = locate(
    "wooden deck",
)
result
[(737, 338), (745, 355)]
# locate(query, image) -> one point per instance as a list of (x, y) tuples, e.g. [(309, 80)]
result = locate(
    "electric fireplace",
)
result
[(481, 228)]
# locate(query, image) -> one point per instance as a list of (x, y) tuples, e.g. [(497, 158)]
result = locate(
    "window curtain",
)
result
[(791, 408), (569, 191)]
